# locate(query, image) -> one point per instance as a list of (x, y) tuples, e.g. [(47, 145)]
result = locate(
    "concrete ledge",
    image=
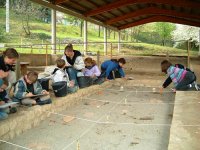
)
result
[(28, 117), (185, 129)]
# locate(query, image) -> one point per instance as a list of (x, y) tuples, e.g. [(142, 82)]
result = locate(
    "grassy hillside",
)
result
[(41, 34)]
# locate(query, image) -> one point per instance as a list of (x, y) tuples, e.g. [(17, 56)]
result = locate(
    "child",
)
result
[(112, 65), (27, 87), (60, 74), (181, 78), (169, 80), (91, 69)]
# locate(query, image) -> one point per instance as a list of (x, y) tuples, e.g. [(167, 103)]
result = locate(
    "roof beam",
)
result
[(160, 19), (60, 1), (152, 11), (121, 3)]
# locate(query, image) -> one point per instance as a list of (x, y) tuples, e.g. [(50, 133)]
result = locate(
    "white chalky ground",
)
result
[(111, 119)]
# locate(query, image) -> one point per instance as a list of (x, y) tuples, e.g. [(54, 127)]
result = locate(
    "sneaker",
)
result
[(196, 86), (13, 110)]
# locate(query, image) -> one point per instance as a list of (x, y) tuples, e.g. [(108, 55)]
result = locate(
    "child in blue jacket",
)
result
[(112, 65), (27, 87)]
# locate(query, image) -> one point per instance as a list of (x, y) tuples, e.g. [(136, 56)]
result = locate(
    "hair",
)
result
[(60, 63), (90, 60), (165, 64), (32, 76), (10, 53), (69, 47), (122, 60)]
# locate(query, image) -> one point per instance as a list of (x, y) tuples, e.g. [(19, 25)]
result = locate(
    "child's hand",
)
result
[(173, 90), (71, 83), (93, 76), (29, 94), (2, 102), (3, 74), (161, 90), (45, 92), (83, 70)]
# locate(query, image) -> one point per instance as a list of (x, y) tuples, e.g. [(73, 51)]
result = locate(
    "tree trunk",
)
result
[(114, 35), (81, 29)]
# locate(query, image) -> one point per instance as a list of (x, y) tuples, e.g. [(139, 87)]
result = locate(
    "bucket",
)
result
[(84, 81), (44, 83), (60, 88)]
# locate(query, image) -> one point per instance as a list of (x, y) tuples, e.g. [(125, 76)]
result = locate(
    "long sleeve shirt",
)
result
[(92, 71), (111, 66), (60, 75), (169, 80), (77, 60), (176, 74)]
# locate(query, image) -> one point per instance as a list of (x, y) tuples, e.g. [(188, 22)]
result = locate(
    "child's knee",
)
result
[(3, 115), (28, 102)]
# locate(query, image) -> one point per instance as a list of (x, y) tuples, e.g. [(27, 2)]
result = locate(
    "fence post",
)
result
[(46, 54), (59, 44), (31, 49), (98, 61)]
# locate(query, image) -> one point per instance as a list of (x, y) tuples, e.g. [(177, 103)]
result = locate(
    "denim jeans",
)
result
[(72, 75), (184, 84), (72, 89), (3, 115)]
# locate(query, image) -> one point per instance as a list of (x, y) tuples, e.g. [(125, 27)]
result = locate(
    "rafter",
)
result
[(160, 19), (60, 1), (152, 11), (121, 3)]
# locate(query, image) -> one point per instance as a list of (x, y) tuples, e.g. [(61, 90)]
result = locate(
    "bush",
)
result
[(43, 36)]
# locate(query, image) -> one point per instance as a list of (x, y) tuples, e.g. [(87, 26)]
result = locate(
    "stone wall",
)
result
[(29, 117)]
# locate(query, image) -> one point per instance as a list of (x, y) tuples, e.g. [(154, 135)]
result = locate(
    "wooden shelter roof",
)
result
[(122, 14)]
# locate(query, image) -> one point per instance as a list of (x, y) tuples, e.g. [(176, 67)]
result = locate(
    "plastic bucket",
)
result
[(84, 81), (60, 88), (44, 83)]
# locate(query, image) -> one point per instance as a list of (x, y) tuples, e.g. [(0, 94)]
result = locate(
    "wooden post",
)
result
[(111, 50), (59, 44), (167, 55), (98, 56), (46, 55), (31, 49), (188, 52), (17, 69)]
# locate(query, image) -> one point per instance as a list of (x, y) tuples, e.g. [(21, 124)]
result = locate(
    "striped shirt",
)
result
[(176, 74)]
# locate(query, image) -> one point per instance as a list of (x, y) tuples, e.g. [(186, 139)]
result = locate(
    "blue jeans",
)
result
[(72, 75), (188, 79), (72, 89)]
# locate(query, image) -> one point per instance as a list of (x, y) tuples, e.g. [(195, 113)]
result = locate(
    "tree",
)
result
[(164, 30), (77, 22), (184, 32), (26, 10), (136, 31)]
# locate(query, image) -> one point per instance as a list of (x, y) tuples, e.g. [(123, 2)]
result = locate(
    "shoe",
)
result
[(196, 86), (13, 110)]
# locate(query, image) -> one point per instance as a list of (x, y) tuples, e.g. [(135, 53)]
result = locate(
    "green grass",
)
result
[(41, 33)]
